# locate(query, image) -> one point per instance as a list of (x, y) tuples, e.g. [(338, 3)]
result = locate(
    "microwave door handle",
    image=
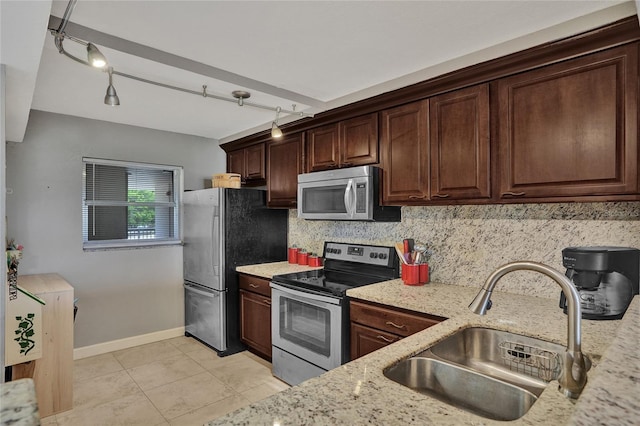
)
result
[(354, 200), (347, 197)]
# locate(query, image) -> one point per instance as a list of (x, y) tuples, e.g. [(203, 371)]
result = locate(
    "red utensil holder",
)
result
[(411, 274)]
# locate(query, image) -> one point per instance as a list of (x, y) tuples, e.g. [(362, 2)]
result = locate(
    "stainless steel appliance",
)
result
[(606, 278), (310, 310), (222, 229), (344, 194)]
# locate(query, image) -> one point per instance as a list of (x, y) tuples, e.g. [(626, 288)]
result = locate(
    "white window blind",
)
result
[(130, 204)]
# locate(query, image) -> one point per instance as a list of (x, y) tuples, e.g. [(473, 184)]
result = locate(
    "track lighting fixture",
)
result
[(96, 59), (276, 133), (111, 98)]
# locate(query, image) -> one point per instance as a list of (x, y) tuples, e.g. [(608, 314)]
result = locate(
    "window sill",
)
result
[(108, 246)]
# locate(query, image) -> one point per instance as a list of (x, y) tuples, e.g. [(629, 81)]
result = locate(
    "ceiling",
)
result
[(317, 55)]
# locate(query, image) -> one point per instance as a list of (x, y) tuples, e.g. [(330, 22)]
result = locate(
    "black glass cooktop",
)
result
[(320, 280)]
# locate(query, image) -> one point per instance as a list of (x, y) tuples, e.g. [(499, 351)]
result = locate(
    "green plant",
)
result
[(141, 215)]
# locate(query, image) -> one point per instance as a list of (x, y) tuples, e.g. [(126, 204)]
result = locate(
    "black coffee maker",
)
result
[(606, 278)]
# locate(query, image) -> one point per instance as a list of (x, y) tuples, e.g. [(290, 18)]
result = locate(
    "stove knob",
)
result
[(372, 255), (338, 251), (382, 256)]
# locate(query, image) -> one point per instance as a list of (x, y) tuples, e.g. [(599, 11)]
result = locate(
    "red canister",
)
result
[(293, 254), (315, 260), (303, 257)]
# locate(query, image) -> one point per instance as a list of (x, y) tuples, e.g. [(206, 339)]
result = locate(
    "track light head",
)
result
[(276, 133), (111, 98), (95, 57)]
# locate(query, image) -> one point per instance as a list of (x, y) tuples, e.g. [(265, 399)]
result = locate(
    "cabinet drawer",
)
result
[(391, 320), (255, 284), (365, 340)]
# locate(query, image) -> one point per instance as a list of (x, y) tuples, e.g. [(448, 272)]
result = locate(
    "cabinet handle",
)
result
[(384, 338), (347, 164), (441, 195), (267, 302), (401, 327), (417, 197), (253, 285), (293, 202), (513, 194)]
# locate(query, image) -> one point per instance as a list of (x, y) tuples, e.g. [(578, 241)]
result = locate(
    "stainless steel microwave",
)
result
[(344, 194)]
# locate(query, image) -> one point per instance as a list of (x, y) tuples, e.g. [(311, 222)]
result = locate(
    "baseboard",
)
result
[(116, 345)]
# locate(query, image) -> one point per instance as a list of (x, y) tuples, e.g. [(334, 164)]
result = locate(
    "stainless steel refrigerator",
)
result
[(222, 229)]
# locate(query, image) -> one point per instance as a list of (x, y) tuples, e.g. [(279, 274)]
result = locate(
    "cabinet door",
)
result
[(404, 148), (255, 162), (365, 340), (570, 129), (460, 144), (322, 148), (359, 141), (255, 322), (284, 164), (236, 163)]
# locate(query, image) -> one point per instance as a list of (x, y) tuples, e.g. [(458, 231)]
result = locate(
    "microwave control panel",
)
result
[(361, 197)]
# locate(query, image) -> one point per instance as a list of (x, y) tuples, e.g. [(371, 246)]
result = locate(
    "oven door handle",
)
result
[(305, 295)]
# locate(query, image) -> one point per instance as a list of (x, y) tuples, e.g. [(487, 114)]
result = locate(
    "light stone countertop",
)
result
[(330, 398), (267, 270), (18, 405)]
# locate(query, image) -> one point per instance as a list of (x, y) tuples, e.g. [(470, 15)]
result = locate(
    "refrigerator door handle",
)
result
[(200, 292)]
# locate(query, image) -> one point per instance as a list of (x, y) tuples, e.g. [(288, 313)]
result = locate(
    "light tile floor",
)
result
[(173, 382)]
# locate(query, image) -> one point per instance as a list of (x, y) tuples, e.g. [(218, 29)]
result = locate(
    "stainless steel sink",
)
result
[(463, 388), (475, 362), (521, 360)]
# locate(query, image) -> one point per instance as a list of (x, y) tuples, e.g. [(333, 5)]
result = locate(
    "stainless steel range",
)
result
[(310, 310)]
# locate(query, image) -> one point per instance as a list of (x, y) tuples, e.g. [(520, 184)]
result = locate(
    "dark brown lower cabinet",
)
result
[(255, 315)]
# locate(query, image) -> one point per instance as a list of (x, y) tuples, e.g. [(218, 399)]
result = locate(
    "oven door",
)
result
[(307, 325), (336, 199)]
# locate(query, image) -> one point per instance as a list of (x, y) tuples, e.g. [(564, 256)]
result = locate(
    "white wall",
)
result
[(122, 293)]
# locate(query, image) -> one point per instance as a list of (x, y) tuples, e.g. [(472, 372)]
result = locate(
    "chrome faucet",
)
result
[(575, 365)]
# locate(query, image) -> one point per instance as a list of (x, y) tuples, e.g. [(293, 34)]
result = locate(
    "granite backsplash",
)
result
[(466, 243)]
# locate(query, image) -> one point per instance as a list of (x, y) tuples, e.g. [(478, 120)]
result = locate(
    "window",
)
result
[(130, 204)]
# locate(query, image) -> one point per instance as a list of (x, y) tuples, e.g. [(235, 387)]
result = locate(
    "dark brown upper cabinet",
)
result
[(284, 164), (404, 153), (459, 139), (570, 129), (249, 163), (437, 149), (348, 143)]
